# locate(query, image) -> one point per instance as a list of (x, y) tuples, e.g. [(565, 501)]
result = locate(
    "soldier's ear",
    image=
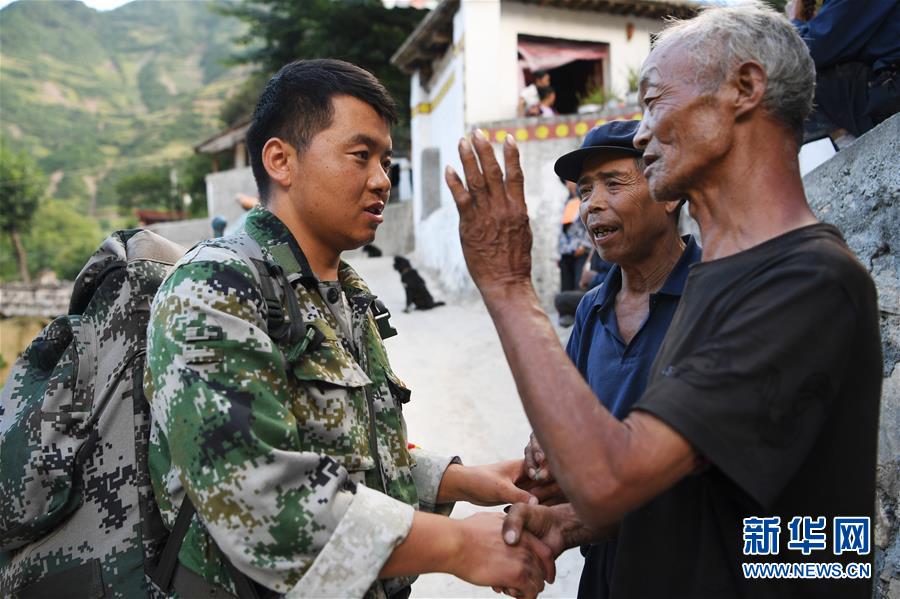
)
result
[(276, 158)]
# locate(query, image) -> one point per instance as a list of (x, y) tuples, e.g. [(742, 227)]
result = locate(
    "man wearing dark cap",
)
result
[(620, 324)]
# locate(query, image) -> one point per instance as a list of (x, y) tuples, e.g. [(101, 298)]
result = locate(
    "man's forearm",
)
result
[(567, 419), (575, 532), (430, 546)]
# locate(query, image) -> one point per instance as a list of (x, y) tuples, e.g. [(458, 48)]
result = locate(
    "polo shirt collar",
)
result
[(674, 284), (610, 286)]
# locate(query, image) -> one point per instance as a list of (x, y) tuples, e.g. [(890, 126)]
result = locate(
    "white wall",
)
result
[(485, 89), (222, 189), (437, 236)]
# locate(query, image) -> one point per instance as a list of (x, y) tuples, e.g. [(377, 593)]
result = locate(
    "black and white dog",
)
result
[(417, 294)]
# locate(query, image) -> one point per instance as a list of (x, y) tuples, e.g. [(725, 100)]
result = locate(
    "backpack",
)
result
[(77, 513)]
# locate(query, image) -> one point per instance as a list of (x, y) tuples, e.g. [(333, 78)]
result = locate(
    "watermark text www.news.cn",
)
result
[(808, 535)]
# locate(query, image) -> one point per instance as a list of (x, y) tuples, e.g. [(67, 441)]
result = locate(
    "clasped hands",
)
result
[(496, 240), (514, 554)]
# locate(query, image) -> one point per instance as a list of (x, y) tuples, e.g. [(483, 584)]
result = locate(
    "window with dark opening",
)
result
[(575, 67)]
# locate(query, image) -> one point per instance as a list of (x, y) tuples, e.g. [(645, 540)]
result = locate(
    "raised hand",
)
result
[(493, 219), (486, 560)]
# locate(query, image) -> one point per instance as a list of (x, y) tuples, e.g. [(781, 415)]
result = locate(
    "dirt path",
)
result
[(464, 400)]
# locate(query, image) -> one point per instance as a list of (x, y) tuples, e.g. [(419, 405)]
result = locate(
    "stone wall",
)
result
[(32, 299), (186, 233), (859, 191)]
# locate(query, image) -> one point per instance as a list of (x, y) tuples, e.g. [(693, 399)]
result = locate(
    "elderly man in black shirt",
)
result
[(755, 441)]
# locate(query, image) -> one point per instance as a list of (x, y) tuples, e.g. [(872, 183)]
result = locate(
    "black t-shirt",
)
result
[(772, 370)]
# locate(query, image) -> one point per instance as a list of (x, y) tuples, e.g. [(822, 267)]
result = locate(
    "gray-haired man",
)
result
[(755, 441)]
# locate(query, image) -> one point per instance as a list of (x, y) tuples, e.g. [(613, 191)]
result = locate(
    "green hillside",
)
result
[(93, 96)]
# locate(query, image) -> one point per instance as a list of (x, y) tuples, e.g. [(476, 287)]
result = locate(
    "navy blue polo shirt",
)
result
[(618, 373)]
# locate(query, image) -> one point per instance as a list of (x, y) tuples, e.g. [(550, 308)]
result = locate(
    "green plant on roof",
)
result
[(597, 95)]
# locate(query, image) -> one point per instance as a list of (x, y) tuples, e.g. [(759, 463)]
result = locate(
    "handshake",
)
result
[(514, 554)]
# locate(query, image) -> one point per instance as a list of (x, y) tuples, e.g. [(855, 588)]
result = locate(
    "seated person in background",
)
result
[(595, 271), (621, 323), (573, 245), (529, 98), (548, 100), (856, 48)]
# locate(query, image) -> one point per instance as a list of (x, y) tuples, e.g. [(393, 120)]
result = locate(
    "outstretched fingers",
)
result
[(458, 190), (474, 177), (493, 174), (515, 178)]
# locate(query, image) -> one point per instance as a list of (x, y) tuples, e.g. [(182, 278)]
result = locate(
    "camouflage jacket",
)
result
[(299, 470)]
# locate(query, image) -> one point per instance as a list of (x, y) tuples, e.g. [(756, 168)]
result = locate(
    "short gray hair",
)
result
[(722, 37)]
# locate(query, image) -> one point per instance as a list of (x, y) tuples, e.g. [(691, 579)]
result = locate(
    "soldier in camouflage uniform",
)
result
[(295, 456)]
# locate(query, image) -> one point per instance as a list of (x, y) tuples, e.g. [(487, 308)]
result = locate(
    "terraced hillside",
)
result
[(96, 95)]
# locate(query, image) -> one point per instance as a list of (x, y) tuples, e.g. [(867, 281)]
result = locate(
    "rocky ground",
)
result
[(464, 400)]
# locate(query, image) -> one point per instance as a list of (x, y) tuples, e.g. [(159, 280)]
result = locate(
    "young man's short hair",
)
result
[(296, 104)]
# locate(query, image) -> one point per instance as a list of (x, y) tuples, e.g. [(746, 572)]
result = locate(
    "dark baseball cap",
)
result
[(615, 135)]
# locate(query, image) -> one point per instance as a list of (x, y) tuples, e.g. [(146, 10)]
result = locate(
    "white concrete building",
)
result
[(469, 60)]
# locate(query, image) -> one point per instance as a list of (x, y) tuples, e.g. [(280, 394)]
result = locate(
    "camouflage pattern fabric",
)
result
[(296, 462), (76, 506)]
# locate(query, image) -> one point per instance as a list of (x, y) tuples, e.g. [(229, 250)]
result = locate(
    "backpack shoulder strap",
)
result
[(286, 327), (382, 319), (164, 573)]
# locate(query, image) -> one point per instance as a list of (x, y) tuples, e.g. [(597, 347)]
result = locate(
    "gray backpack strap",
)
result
[(169, 571), (291, 332)]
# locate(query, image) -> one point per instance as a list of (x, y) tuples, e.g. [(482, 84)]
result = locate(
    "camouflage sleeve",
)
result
[(287, 518), (427, 474)]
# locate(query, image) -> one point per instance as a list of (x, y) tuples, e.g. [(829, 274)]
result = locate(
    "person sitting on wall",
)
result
[(529, 98), (548, 100), (856, 49)]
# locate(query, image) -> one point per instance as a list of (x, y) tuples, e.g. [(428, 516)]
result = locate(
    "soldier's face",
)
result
[(344, 185)]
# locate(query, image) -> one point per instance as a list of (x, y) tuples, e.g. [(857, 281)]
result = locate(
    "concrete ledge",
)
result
[(859, 192)]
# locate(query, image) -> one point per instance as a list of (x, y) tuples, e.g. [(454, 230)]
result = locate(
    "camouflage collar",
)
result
[(274, 238)]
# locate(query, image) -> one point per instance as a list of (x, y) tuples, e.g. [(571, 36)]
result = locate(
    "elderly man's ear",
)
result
[(673, 206), (750, 83)]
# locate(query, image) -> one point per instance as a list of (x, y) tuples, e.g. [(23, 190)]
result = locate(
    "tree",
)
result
[(21, 190), (155, 189), (62, 239), (239, 106), (363, 32), (192, 173), (146, 189)]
